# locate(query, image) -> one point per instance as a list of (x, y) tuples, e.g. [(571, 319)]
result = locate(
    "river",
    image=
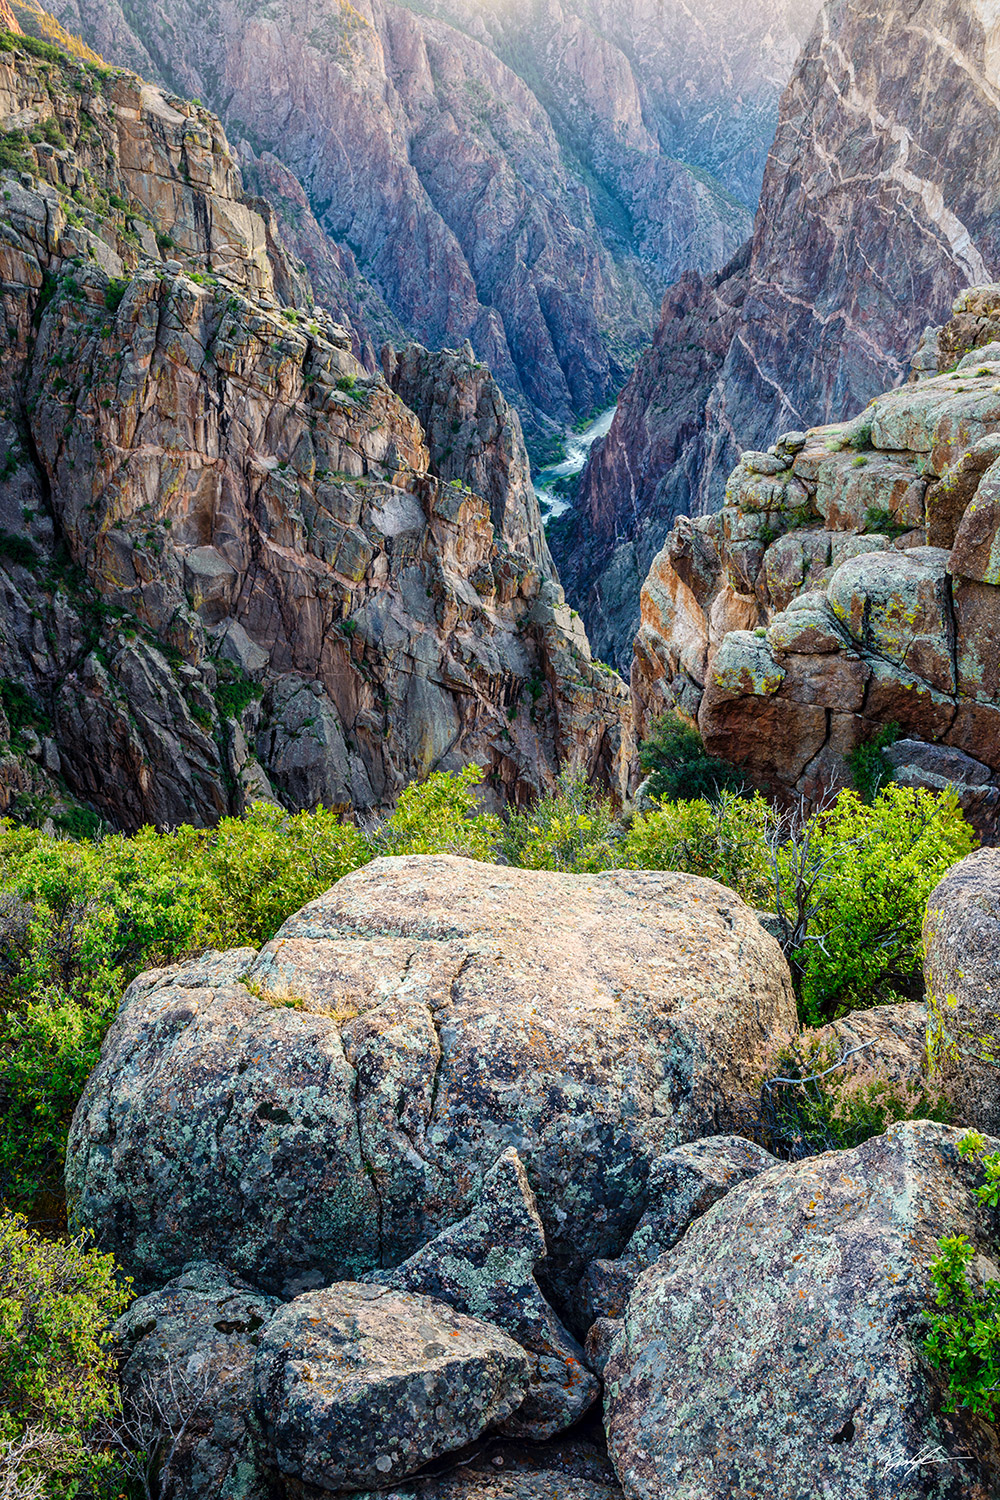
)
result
[(578, 445)]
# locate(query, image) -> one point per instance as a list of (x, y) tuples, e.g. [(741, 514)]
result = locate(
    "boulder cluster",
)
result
[(407, 1191), (850, 581)]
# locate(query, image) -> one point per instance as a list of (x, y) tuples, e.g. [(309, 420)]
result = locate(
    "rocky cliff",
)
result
[(851, 581), (230, 567), (518, 175), (876, 210)]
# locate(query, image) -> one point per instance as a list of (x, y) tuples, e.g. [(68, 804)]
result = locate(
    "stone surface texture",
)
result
[(232, 569), (843, 587), (962, 974), (682, 1186), (813, 318), (187, 1354), (485, 1266), (775, 1349), (333, 1105), (359, 1386)]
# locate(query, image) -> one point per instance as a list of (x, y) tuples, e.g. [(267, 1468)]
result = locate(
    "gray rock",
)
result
[(962, 975), (775, 1351), (485, 1266), (570, 1470), (441, 1011), (683, 1185), (188, 1354), (362, 1385)]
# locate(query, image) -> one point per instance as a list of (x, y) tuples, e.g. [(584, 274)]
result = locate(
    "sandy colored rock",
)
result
[(361, 1385), (445, 1011), (962, 974), (776, 1348)]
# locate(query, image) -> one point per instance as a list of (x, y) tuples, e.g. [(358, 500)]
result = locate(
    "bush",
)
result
[(963, 1340), (439, 816), (820, 1097), (573, 829), (679, 767), (865, 879), (868, 765), (57, 1371), (724, 840)]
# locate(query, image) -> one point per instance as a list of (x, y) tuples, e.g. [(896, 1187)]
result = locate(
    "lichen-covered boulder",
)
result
[(682, 1186), (187, 1357), (334, 1105), (485, 1266), (962, 975), (359, 1386), (775, 1350)]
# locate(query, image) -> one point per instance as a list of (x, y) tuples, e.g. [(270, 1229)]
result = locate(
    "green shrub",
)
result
[(872, 869), (868, 765), (724, 840), (115, 292), (679, 767), (821, 1098), (57, 1371), (573, 829), (440, 816), (963, 1340)]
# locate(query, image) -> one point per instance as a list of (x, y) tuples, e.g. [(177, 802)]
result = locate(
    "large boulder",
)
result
[(363, 1385), (187, 1356), (485, 1266), (776, 1349), (332, 1106), (962, 975)]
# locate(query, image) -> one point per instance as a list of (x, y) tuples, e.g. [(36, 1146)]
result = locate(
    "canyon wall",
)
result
[(525, 177), (850, 582), (230, 565), (880, 202)]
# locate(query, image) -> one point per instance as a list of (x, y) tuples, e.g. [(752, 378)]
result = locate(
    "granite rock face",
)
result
[(233, 570), (485, 1266), (441, 1012), (682, 1186), (187, 1355), (847, 584), (775, 1349), (815, 318), (359, 1386), (962, 973)]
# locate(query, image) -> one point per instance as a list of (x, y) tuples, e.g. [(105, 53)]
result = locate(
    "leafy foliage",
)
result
[(823, 1097), (573, 829), (724, 840), (868, 765), (57, 1371), (963, 1340), (679, 767)]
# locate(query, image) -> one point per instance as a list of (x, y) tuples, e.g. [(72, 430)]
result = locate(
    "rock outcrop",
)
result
[(816, 319), (962, 973), (776, 1350), (848, 583), (229, 567), (331, 1106)]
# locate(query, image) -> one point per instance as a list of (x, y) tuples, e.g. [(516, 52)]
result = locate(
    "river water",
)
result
[(578, 445)]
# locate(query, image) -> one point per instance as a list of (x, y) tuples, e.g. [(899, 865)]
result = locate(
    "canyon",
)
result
[(879, 204), (526, 177), (234, 564)]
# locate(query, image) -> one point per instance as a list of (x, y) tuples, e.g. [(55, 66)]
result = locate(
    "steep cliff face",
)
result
[(851, 580), (880, 201), (515, 173), (228, 567)]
